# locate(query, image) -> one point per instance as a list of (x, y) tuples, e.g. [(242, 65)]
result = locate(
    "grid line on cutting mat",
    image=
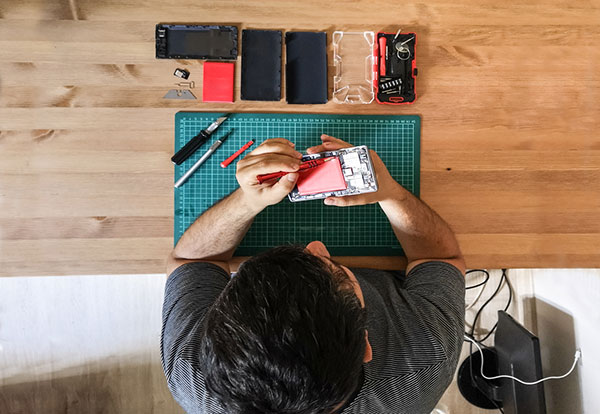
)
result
[(350, 231)]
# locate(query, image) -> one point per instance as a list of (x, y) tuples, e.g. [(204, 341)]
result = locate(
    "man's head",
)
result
[(287, 335)]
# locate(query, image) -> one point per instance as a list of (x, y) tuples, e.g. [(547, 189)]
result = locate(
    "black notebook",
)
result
[(306, 67)]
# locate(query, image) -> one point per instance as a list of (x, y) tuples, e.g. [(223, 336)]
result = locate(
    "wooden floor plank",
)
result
[(95, 227), (310, 14), (466, 34)]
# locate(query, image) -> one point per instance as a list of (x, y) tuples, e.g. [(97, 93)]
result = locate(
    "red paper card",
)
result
[(324, 178), (217, 85)]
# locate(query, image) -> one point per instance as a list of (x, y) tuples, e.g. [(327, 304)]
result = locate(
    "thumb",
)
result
[(284, 185), (344, 201)]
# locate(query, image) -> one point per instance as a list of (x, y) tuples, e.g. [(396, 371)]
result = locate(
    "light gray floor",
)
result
[(82, 344), (90, 344)]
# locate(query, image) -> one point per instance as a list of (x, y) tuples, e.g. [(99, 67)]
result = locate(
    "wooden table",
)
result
[(508, 95)]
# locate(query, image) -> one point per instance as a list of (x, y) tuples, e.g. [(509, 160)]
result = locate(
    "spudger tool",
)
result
[(236, 154), (193, 144)]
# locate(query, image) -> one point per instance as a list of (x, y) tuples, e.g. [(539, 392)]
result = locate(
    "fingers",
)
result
[(283, 187), (355, 200), (326, 146), (276, 145), (329, 144), (278, 141), (325, 137), (377, 161), (265, 164)]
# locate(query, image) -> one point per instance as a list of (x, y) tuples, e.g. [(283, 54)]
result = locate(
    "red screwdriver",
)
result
[(307, 165)]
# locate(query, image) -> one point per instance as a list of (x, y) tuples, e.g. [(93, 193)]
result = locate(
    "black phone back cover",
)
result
[(306, 67), (261, 65)]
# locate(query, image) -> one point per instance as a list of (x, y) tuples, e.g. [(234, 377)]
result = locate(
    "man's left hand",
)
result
[(273, 155)]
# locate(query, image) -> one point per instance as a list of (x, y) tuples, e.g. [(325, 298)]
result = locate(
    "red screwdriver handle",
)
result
[(304, 166)]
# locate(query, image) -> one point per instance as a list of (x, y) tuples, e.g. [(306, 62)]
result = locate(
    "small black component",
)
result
[(182, 73)]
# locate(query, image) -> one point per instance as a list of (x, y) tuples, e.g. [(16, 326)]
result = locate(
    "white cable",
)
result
[(467, 307), (577, 356)]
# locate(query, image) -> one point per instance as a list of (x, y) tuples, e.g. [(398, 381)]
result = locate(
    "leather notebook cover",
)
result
[(306, 67), (261, 65)]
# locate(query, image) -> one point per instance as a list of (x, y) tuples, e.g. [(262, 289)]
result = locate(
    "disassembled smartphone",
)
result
[(348, 172), (187, 41)]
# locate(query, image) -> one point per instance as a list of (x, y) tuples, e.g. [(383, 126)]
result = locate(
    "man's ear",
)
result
[(317, 248), (368, 350)]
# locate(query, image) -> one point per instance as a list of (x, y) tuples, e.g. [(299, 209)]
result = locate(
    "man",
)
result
[(295, 332)]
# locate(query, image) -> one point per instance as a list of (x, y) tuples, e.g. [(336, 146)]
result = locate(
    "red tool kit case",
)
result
[(396, 70)]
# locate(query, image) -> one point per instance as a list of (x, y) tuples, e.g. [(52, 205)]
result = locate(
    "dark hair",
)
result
[(287, 335)]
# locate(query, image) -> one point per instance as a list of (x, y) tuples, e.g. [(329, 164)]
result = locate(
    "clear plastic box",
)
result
[(354, 67)]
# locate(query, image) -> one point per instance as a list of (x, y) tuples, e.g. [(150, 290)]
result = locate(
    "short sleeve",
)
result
[(415, 324), (190, 290), (437, 289)]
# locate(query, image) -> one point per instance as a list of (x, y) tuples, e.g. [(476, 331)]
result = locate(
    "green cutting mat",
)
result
[(350, 231)]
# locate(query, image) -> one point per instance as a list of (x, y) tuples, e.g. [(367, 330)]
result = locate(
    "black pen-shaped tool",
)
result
[(202, 159), (193, 144)]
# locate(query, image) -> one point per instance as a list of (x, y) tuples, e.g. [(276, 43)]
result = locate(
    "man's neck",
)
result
[(354, 394)]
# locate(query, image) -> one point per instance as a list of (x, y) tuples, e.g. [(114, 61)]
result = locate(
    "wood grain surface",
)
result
[(509, 95)]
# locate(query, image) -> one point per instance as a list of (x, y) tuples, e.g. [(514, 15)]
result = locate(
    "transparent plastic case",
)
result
[(354, 67)]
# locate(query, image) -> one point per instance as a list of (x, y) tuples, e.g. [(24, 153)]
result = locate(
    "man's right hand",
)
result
[(273, 155), (386, 183)]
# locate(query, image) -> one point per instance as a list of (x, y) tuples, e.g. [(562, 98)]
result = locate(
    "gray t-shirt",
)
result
[(415, 324)]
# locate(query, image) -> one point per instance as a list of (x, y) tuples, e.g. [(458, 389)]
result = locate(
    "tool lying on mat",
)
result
[(236, 154), (304, 166), (202, 159), (196, 142)]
